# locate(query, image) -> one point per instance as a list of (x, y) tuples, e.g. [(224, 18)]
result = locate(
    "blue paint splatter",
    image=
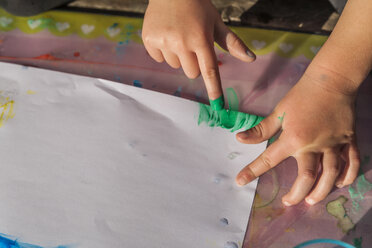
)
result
[(24, 67), (137, 83), (129, 27), (114, 25), (117, 78), (198, 95), (9, 242), (178, 91), (230, 244)]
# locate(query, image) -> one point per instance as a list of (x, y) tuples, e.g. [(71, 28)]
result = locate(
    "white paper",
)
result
[(91, 163)]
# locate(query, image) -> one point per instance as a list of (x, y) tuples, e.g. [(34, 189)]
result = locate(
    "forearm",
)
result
[(346, 57)]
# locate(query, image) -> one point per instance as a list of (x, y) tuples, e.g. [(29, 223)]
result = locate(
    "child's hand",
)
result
[(317, 119), (183, 33)]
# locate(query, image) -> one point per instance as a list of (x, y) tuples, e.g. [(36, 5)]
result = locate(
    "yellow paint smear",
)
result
[(31, 92), (6, 111)]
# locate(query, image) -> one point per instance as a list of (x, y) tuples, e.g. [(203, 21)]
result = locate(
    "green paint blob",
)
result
[(362, 186), (228, 119), (217, 104), (336, 209), (216, 116), (358, 242)]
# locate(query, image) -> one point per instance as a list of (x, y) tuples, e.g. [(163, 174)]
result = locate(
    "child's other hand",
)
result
[(317, 119), (183, 33)]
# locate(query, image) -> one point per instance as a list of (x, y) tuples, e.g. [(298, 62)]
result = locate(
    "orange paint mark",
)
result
[(47, 57), (289, 229)]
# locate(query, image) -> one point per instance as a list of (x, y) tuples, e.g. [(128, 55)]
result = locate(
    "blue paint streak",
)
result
[(137, 83), (324, 241), (7, 242), (178, 91)]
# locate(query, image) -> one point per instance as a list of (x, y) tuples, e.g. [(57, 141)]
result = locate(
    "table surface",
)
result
[(110, 47)]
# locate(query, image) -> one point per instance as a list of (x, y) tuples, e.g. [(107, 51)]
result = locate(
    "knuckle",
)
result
[(234, 41), (211, 73), (259, 131), (266, 161), (308, 175), (334, 170)]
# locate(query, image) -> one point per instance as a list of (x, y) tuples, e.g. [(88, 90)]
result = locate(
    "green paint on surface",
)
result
[(232, 99), (217, 104), (362, 186), (216, 116), (336, 209), (228, 119), (281, 118), (358, 242)]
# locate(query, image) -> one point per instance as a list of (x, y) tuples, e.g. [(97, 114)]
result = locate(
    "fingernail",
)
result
[(250, 54), (243, 180), (310, 201), (287, 204), (339, 185), (243, 135)]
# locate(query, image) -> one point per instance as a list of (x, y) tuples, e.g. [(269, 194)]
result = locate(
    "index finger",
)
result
[(209, 69)]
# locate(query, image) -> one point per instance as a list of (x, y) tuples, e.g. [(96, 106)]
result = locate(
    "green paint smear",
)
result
[(216, 116), (218, 103), (358, 242), (228, 119), (336, 209), (362, 186), (232, 99)]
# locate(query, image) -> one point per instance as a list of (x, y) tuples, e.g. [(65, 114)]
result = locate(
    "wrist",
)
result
[(332, 80)]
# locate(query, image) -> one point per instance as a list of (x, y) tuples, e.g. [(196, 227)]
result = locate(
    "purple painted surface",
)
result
[(259, 87)]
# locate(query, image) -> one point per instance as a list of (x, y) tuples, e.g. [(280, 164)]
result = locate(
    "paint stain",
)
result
[(31, 92), (10, 242), (361, 186), (219, 178), (289, 229), (178, 91), (229, 119), (46, 57), (224, 221), (114, 25), (6, 110), (198, 95), (137, 83), (336, 209), (117, 78), (232, 99), (76, 54), (219, 62), (230, 244), (358, 242), (281, 118), (233, 155)]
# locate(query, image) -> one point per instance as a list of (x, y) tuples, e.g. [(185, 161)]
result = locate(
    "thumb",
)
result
[(264, 130), (229, 41)]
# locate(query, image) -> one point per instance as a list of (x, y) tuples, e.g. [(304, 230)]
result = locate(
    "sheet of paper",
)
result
[(89, 163)]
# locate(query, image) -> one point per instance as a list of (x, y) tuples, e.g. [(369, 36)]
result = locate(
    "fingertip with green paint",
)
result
[(217, 104)]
